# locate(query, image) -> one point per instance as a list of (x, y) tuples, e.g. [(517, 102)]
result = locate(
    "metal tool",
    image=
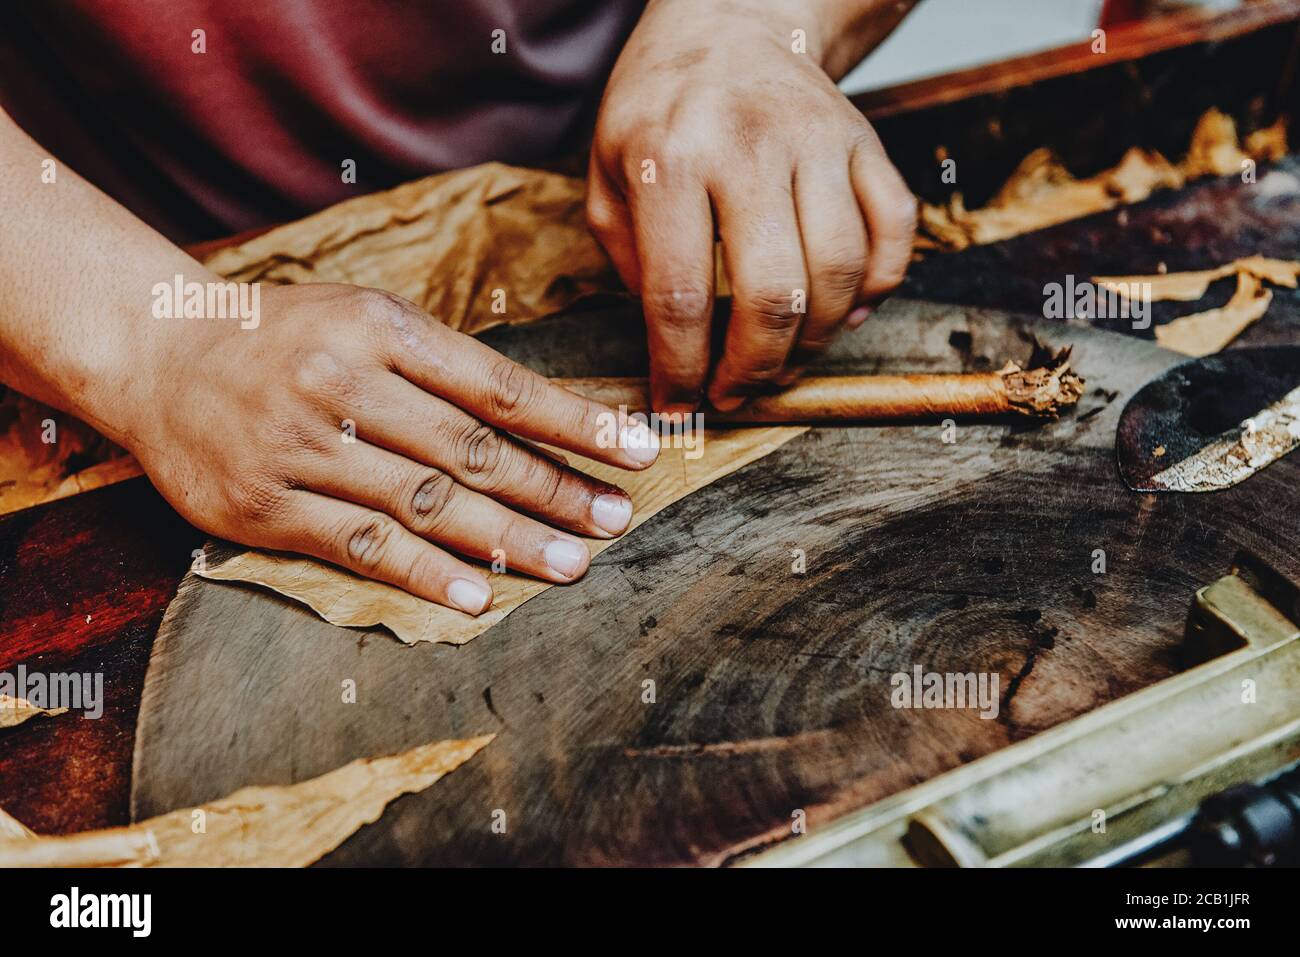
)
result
[(1248, 825), (1095, 789), (1211, 423)]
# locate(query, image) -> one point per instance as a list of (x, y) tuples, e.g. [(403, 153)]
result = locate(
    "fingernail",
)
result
[(565, 557), (611, 512), (469, 596), (639, 442), (789, 375), (858, 316), (676, 400), (728, 403)]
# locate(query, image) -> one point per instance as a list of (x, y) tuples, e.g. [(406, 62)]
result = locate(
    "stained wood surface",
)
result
[(85, 583), (772, 689), (61, 781)]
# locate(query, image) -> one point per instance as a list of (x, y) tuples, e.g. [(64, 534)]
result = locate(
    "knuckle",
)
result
[(884, 280), (432, 495), (321, 372), (680, 149), (681, 306), (551, 485), (367, 542), (614, 129), (843, 263), (427, 568), (385, 316), (898, 215), (380, 308), (511, 389), (479, 449), (773, 309), (864, 141), (522, 535), (758, 372), (886, 275), (637, 138)]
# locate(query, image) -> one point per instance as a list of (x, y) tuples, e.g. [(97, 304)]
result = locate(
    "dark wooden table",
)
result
[(83, 585), (84, 582)]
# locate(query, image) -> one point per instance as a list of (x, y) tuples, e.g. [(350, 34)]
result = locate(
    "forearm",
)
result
[(76, 277), (850, 29), (837, 33)]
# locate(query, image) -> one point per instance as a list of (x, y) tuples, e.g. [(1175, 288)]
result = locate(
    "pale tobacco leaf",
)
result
[(14, 711), (445, 242), (1270, 143), (1215, 148), (1211, 331), (1042, 192), (262, 826), (345, 599), (1190, 286), (448, 243), (34, 471), (11, 827), (1205, 333), (1280, 272), (1172, 286)]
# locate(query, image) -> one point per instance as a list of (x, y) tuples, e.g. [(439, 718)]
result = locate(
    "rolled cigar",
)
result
[(1041, 391)]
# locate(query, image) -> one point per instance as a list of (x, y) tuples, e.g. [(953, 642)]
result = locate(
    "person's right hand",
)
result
[(247, 434)]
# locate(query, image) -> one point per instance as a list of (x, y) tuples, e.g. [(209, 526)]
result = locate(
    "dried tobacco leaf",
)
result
[(1205, 333), (14, 711), (261, 826), (1042, 192)]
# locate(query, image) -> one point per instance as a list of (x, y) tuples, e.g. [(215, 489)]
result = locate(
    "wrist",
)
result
[(851, 29), (835, 34), (118, 384), (778, 19), (66, 373)]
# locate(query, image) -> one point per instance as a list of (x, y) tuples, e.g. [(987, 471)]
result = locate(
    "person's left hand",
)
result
[(711, 117)]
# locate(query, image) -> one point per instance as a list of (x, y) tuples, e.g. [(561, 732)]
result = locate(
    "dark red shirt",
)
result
[(256, 129)]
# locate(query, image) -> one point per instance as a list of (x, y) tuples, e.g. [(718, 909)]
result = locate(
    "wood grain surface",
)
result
[(86, 581), (771, 688), (91, 576)]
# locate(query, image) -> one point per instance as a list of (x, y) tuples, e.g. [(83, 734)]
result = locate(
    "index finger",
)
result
[(501, 392)]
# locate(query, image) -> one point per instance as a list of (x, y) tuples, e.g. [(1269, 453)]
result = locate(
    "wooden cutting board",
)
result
[(771, 688)]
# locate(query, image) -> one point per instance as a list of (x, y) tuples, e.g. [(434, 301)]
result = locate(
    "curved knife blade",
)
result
[(1211, 423)]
